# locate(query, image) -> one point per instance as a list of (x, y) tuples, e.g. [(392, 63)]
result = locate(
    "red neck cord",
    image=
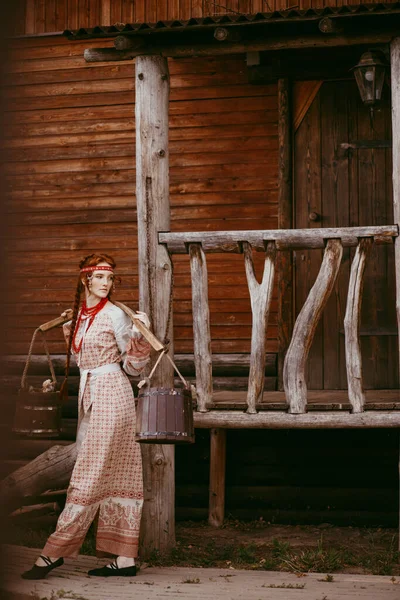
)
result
[(86, 312)]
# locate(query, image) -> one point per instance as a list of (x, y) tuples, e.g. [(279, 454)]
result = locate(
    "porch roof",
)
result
[(358, 17)]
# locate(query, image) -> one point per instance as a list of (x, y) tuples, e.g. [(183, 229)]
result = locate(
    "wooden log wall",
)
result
[(70, 143), (289, 476), (40, 16)]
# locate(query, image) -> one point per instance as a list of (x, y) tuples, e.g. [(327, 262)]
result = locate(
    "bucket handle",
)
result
[(163, 352), (154, 342), (28, 360)]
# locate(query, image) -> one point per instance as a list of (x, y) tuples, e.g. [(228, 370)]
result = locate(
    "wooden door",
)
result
[(342, 177)]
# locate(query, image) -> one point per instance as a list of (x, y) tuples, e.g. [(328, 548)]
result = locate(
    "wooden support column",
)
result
[(201, 326), (285, 221), (216, 511), (352, 326), (260, 298), (155, 281), (294, 378), (395, 83)]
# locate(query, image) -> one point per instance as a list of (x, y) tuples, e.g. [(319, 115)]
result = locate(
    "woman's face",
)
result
[(100, 283)]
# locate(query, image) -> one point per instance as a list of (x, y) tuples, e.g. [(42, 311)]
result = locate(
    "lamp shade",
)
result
[(370, 76)]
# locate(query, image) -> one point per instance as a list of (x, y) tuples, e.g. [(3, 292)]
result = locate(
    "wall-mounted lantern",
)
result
[(370, 76)]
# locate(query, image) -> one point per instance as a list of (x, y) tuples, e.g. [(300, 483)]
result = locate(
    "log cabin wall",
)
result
[(296, 477), (70, 170)]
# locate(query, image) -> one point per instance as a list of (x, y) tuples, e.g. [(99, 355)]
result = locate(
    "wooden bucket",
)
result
[(38, 414), (164, 416)]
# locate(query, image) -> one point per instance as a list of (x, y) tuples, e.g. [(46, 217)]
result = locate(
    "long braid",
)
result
[(79, 289)]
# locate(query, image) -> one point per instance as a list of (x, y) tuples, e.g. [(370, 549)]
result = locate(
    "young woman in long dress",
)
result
[(107, 477)]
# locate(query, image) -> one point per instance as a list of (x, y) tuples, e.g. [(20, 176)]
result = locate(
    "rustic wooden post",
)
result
[(201, 326), (352, 326), (395, 83), (216, 511), (303, 334), (260, 297), (285, 221), (155, 280)]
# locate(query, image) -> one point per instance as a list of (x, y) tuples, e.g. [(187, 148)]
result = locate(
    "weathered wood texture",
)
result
[(352, 327), (294, 379), (346, 187), (232, 241), (258, 44), (50, 470), (285, 220), (260, 297), (217, 477), (53, 16), (70, 165), (395, 82), (395, 88), (201, 326), (278, 420), (223, 364), (155, 282)]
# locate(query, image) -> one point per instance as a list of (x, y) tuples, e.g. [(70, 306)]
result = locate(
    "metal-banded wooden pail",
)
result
[(164, 416), (38, 414)]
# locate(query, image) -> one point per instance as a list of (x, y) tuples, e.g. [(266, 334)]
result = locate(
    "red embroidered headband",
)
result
[(96, 268)]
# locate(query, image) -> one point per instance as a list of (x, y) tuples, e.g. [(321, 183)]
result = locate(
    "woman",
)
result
[(107, 476)]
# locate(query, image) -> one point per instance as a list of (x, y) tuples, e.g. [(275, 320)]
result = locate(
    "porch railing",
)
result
[(332, 240)]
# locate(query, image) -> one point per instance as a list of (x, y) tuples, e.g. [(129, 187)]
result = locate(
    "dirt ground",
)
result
[(298, 548), (298, 536), (256, 545)]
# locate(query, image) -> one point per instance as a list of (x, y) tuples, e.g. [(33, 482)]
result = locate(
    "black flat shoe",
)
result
[(40, 572), (114, 571)]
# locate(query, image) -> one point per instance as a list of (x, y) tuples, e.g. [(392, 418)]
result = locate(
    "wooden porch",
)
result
[(295, 407), (295, 398)]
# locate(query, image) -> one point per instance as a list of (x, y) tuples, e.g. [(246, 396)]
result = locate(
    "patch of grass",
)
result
[(381, 562), (280, 549), (327, 578), (316, 560), (286, 586), (246, 554), (57, 595)]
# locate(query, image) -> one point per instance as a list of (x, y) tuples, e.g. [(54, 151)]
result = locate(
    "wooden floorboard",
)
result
[(71, 581)]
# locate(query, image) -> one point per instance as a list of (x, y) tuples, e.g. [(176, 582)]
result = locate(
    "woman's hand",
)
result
[(67, 314), (142, 317)]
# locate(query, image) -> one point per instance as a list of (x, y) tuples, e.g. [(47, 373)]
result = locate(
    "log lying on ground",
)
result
[(50, 470)]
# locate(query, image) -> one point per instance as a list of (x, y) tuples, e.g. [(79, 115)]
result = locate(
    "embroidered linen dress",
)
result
[(107, 476)]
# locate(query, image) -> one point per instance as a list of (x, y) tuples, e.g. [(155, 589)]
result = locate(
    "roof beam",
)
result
[(263, 44)]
